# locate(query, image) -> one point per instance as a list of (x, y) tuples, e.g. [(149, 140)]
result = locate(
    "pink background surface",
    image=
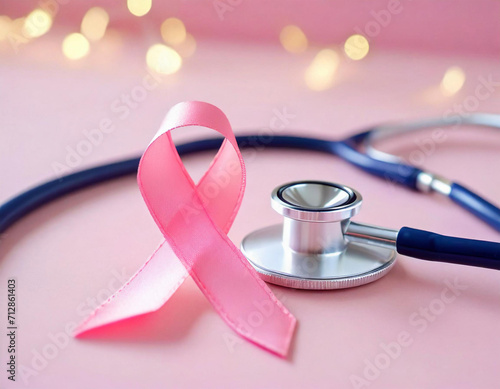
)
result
[(66, 255)]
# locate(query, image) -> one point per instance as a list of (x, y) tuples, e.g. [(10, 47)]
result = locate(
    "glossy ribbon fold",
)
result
[(195, 219)]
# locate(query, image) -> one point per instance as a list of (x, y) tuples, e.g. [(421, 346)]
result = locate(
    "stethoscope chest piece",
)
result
[(311, 249)]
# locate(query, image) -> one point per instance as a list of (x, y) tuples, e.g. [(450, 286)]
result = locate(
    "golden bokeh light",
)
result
[(356, 47), (37, 23), (321, 72), (139, 7), (163, 59), (173, 31), (5, 25), (75, 46), (453, 80), (188, 47), (293, 39), (94, 23)]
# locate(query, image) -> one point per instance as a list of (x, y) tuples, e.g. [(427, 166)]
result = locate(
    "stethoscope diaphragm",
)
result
[(312, 248)]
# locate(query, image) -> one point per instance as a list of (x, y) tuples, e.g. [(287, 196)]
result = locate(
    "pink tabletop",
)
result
[(424, 325)]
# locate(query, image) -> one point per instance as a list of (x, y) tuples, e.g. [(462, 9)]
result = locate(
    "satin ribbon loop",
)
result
[(195, 219)]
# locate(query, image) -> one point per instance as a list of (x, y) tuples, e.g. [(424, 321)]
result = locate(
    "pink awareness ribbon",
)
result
[(194, 220)]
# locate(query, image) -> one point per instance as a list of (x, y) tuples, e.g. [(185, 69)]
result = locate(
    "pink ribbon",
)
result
[(195, 219)]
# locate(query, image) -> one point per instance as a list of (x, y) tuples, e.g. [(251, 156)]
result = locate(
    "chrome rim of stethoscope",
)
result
[(311, 250)]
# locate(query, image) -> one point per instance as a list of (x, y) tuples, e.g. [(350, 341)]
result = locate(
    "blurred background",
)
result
[(68, 65)]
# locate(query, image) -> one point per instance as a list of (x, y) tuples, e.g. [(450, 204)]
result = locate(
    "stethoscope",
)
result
[(317, 246)]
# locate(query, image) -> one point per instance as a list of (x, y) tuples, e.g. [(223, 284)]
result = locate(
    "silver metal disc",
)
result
[(359, 264)]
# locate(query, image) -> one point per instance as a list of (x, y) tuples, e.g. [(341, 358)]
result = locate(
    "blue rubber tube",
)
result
[(26, 202), (30, 200), (398, 173), (475, 204), (439, 248)]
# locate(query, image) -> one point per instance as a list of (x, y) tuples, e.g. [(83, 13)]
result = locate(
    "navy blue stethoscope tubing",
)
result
[(21, 205), (412, 242)]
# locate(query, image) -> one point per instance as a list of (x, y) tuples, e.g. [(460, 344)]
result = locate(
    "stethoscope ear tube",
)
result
[(475, 204), (434, 247), (410, 176), (393, 172)]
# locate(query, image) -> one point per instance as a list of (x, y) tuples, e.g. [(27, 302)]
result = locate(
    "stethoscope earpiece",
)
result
[(313, 248)]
